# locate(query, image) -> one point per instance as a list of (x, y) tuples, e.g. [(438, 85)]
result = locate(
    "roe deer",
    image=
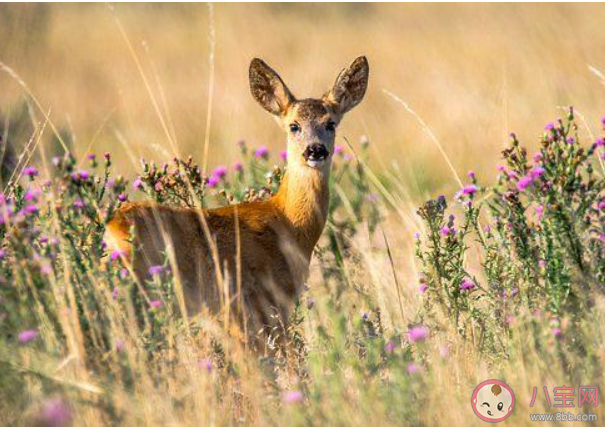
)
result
[(262, 250)]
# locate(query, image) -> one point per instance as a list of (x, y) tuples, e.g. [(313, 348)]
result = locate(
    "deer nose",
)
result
[(316, 152)]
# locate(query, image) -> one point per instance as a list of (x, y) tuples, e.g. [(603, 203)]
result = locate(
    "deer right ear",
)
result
[(268, 88)]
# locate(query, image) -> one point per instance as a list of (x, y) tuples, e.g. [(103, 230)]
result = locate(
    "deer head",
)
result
[(309, 123)]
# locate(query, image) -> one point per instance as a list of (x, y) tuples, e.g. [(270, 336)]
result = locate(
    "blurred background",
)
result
[(134, 78)]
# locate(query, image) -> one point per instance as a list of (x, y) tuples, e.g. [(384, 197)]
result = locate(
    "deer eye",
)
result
[(294, 127), (331, 127)]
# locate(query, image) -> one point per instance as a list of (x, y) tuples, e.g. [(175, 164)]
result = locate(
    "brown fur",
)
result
[(251, 258)]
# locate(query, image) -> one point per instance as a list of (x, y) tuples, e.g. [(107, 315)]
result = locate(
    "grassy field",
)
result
[(396, 327)]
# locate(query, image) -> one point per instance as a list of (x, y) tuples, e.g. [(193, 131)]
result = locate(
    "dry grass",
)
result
[(471, 73)]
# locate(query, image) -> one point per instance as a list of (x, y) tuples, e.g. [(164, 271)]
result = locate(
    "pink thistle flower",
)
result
[(79, 204), (293, 396), (524, 183), (467, 285), (238, 167), (469, 189), (137, 184), (31, 209), (423, 288), (2, 253), (261, 152), (158, 186), (116, 255), (27, 335), (212, 182), (220, 172), (338, 149), (418, 333), (556, 332), (205, 364), (30, 171), (390, 347), (539, 212), (283, 155), (538, 157), (120, 346), (155, 270), (510, 319), (549, 126), (600, 142), (122, 197), (500, 168), (446, 231), (115, 293), (156, 303), (412, 368), (32, 195), (54, 413), (537, 172), (602, 205)]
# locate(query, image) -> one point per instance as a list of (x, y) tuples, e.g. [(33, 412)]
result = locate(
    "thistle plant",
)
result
[(538, 233)]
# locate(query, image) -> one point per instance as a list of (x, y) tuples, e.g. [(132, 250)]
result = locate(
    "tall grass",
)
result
[(84, 342)]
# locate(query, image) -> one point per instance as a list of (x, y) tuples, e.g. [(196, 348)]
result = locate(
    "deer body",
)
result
[(252, 257)]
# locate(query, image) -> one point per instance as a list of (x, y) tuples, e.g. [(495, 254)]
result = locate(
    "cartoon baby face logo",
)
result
[(493, 401)]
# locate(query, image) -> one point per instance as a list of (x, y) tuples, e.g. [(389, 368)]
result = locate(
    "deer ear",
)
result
[(268, 88), (350, 85)]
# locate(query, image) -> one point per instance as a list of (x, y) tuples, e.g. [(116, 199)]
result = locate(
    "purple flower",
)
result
[(338, 149), (423, 288), (390, 347), (158, 186), (524, 183), (212, 182), (80, 175), (79, 204), (537, 172), (487, 228), (539, 211), (261, 152), (469, 189), (91, 157), (32, 195), (413, 368), (602, 205), (416, 235), (293, 396), (556, 332), (54, 413), (538, 157), (2, 253), (571, 141), (238, 167), (283, 154), (27, 335), (30, 171), (137, 184), (205, 364), (549, 126), (122, 197), (418, 333), (120, 346), (116, 255), (466, 285), (155, 270), (500, 168), (156, 303), (115, 293), (220, 172), (31, 209), (600, 142), (446, 231)]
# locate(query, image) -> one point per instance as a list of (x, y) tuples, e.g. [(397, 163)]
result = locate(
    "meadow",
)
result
[(455, 252)]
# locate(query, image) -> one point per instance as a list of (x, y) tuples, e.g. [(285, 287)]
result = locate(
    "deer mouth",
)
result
[(316, 155)]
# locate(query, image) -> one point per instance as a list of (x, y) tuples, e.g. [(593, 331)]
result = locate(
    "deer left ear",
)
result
[(350, 86)]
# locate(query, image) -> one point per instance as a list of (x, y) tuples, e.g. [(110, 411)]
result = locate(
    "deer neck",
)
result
[(304, 198)]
